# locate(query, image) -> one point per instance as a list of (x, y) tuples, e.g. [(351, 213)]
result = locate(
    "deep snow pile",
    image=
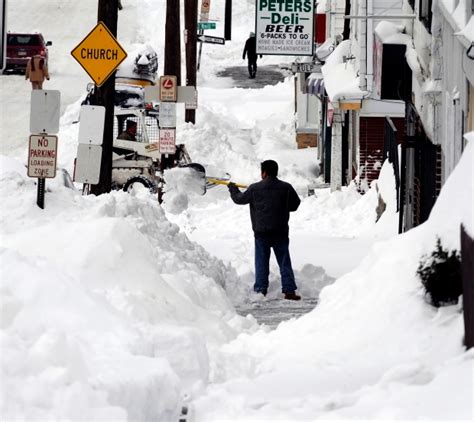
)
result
[(107, 311)]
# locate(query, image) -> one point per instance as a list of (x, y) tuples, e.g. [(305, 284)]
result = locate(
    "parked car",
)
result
[(22, 46)]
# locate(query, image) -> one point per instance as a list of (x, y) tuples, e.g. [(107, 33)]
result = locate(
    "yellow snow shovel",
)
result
[(215, 181)]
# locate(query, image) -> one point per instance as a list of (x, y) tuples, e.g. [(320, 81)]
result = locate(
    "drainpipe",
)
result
[(363, 47), (370, 42)]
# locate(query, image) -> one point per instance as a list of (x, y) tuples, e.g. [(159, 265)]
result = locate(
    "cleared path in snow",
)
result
[(272, 312), (266, 75)]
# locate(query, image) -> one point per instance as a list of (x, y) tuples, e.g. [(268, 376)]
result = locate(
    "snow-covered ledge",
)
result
[(341, 80)]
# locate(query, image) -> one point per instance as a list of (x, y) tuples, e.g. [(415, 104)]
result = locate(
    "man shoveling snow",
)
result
[(271, 201)]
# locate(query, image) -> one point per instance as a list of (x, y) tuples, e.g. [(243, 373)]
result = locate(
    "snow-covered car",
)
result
[(126, 96)]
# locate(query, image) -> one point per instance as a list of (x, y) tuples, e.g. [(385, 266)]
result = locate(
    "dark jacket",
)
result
[(271, 201), (250, 49)]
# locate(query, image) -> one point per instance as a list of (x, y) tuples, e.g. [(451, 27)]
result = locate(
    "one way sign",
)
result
[(210, 40)]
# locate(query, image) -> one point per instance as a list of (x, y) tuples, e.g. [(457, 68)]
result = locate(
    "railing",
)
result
[(390, 152)]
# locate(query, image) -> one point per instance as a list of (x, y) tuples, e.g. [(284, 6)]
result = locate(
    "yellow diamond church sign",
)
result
[(99, 53)]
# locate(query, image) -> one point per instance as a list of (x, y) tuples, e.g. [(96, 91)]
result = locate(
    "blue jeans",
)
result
[(262, 264)]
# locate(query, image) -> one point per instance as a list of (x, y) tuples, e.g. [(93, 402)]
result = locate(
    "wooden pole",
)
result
[(173, 40), (172, 59), (228, 20), (190, 19), (104, 95)]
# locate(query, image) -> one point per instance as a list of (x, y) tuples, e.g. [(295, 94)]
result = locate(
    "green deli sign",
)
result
[(206, 25), (285, 27)]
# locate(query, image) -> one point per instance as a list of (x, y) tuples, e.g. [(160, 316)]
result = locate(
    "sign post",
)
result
[(42, 153), (204, 17), (99, 53), (285, 28), (42, 147)]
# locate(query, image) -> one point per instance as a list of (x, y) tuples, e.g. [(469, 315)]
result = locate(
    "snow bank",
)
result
[(107, 311)]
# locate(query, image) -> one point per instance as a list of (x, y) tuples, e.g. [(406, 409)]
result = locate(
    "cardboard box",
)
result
[(307, 140)]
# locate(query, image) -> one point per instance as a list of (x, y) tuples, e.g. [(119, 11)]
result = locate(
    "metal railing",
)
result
[(390, 152)]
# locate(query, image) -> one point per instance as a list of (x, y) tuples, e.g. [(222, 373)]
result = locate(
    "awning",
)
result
[(315, 84)]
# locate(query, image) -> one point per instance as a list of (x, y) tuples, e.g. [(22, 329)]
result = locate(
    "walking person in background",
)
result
[(250, 50), (37, 71), (271, 201)]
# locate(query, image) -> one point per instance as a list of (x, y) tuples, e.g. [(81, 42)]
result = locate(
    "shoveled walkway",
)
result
[(266, 75), (273, 311)]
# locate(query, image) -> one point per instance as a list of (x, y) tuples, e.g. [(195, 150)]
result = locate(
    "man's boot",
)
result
[(292, 296)]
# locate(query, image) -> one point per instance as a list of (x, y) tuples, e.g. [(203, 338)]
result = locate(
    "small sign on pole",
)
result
[(210, 40), (42, 154), (205, 8), (191, 104), (88, 160), (167, 141), (168, 90), (167, 115), (45, 111), (91, 125), (206, 25), (305, 67)]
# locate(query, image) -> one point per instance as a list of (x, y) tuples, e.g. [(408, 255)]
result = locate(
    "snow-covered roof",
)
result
[(321, 6), (341, 79), (390, 33)]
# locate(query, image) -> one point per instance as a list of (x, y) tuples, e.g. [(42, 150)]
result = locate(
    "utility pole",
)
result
[(228, 20), (104, 96), (172, 56), (190, 23), (173, 40)]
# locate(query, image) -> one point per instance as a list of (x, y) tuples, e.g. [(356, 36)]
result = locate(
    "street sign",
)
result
[(285, 28), (206, 25), (191, 104), (210, 40), (167, 115), (88, 160), (99, 53), (167, 141), (205, 7), (91, 125), (305, 67), (168, 89), (42, 153), (44, 111), (185, 94)]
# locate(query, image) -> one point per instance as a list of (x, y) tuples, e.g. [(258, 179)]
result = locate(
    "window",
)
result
[(426, 15)]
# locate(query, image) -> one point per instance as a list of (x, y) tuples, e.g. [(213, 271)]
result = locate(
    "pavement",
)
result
[(266, 75)]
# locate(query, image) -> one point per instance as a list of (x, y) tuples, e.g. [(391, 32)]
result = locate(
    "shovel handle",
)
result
[(224, 182)]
